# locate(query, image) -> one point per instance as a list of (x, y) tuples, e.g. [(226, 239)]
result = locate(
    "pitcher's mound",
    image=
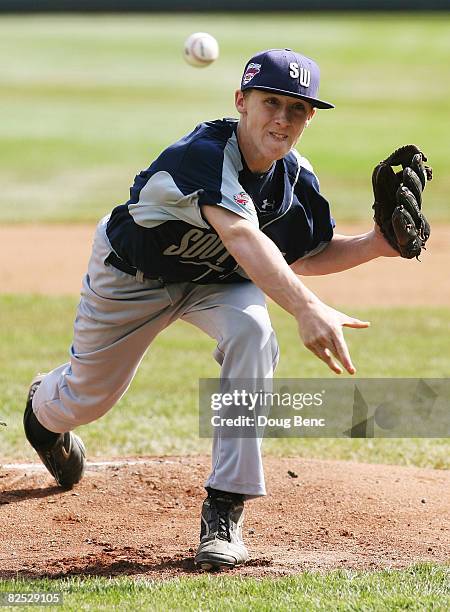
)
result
[(141, 517)]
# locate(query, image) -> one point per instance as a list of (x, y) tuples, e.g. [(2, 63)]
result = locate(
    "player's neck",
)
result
[(255, 163)]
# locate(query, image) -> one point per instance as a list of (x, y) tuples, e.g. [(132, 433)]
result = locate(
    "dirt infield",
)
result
[(142, 518), (52, 259)]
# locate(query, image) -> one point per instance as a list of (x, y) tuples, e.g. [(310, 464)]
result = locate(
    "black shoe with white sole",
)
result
[(221, 544), (62, 454)]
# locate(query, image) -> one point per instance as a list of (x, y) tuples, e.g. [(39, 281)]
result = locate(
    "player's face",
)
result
[(270, 126)]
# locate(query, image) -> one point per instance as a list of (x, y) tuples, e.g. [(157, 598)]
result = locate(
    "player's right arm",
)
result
[(320, 326)]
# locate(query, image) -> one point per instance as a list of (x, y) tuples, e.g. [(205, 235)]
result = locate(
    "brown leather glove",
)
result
[(398, 200)]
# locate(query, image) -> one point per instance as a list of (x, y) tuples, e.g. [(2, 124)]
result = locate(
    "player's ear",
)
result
[(310, 116), (239, 101)]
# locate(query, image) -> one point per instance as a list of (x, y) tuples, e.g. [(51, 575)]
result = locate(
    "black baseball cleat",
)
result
[(221, 544), (62, 454)]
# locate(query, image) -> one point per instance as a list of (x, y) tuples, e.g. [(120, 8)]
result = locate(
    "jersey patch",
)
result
[(242, 198)]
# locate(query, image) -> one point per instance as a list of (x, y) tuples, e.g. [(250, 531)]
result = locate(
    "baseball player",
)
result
[(227, 214)]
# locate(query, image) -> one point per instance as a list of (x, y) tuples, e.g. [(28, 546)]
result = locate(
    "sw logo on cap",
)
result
[(241, 198), (252, 71), (302, 74)]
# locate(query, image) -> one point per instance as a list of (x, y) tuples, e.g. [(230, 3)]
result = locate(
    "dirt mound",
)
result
[(142, 518)]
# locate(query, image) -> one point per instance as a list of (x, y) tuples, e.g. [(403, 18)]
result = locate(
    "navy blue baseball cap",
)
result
[(286, 73)]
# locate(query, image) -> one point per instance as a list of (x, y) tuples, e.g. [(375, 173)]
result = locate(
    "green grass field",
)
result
[(89, 101), (422, 587), (165, 399)]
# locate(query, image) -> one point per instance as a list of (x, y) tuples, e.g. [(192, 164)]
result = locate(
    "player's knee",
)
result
[(253, 330), (83, 408)]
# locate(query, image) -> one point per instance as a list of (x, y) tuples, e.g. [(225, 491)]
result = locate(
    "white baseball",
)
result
[(200, 49)]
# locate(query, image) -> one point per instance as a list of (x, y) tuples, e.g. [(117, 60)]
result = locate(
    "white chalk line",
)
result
[(90, 465)]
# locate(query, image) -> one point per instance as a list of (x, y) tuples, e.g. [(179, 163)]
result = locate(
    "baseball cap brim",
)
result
[(282, 92)]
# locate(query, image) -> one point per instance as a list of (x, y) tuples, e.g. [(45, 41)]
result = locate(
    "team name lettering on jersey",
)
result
[(302, 74), (196, 245)]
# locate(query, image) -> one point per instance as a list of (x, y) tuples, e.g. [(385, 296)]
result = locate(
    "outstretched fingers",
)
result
[(342, 353), (322, 333), (336, 347), (332, 351), (356, 323), (327, 357)]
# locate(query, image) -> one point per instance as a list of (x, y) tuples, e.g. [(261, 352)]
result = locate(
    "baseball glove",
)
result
[(398, 200)]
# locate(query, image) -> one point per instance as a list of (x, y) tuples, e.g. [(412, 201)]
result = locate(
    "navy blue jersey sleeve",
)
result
[(201, 168), (195, 165), (211, 167)]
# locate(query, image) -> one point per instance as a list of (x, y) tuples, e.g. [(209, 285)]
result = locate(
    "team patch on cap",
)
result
[(252, 71), (241, 198)]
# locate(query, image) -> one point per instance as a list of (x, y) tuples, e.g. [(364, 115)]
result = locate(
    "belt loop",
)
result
[(139, 276)]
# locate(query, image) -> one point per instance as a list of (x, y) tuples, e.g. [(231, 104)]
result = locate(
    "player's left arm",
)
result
[(345, 252)]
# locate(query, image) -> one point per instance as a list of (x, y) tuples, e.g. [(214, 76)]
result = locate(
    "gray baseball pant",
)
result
[(117, 319)]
